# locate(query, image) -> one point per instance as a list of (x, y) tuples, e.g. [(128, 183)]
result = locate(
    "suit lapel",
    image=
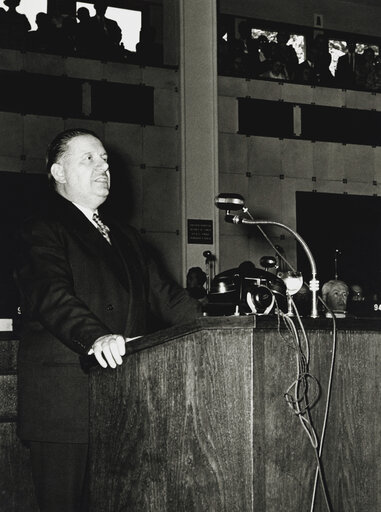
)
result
[(88, 236)]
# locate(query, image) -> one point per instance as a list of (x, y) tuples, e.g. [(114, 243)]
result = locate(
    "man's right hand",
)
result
[(109, 350)]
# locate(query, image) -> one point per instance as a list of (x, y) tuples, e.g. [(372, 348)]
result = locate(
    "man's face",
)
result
[(82, 174), (337, 297)]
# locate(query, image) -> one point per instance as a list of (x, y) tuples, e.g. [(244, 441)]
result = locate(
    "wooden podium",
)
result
[(195, 420)]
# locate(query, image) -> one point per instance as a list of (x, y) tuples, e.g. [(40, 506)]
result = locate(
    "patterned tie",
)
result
[(102, 228)]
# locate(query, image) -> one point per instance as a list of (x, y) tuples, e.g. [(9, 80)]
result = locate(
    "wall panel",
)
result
[(166, 107), (161, 200), (44, 64), (233, 153), (11, 130), (297, 158), (160, 146), (227, 114), (38, 133), (265, 156)]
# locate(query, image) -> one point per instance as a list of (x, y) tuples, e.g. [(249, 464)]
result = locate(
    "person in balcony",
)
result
[(347, 64), (246, 56), (106, 35), (286, 54), (277, 71), (366, 70), (17, 25)]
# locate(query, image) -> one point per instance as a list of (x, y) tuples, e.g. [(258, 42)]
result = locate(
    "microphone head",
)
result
[(229, 201)]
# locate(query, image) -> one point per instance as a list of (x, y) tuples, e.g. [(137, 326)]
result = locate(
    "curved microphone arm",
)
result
[(314, 283)]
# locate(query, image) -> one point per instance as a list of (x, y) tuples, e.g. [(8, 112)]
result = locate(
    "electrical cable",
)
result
[(327, 403), (303, 375), (299, 402)]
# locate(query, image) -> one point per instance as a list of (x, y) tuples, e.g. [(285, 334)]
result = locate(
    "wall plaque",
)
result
[(200, 231)]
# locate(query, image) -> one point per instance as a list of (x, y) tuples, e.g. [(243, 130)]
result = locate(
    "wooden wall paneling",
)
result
[(10, 164), (360, 99), (43, 63), (38, 133), (11, 60), (328, 161), (377, 101), (358, 163), (297, 93), (264, 199), (162, 78), (264, 156), (227, 114), (232, 86), (289, 186), (127, 141), (233, 153), (166, 247), (161, 199), (11, 131), (34, 165), (121, 72), (234, 250), (160, 146), (166, 107), (96, 126), (328, 96), (89, 69), (265, 89), (360, 188), (297, 158), (377, 163)]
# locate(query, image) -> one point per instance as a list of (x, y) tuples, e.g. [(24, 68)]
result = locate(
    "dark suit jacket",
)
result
[(74, 288)]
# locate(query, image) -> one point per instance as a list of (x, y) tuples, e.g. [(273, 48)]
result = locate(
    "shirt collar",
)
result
[(88, 212)]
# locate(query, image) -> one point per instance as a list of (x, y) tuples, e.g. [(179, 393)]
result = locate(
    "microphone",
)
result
[(229, 201)]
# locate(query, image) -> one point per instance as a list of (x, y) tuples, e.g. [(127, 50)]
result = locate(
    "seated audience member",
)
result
[(366, 70), (357, 304), (17, 25), (335, 294), (345, 75), (286, 54), (322, 60), (148, 51), (196, 278), (276, 72), (245, 51)]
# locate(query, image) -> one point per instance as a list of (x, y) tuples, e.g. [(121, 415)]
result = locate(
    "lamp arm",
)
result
[(314, 283)]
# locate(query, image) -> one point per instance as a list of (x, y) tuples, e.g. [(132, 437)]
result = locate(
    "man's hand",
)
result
[(109, 350)]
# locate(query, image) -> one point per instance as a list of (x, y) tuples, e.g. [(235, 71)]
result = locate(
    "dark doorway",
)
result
[(349, 224)]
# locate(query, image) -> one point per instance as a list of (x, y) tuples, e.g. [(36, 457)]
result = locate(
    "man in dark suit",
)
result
[(346, 68), (84, 287)]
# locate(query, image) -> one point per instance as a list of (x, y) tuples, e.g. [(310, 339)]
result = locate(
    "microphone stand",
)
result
[(314, 283)]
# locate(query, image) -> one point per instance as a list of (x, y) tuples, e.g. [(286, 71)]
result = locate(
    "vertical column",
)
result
[(199, 130)]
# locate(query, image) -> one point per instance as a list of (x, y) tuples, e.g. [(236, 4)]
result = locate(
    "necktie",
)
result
[(102, 228)]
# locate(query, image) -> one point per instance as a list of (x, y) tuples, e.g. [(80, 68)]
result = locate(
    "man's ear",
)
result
[(58, 173)]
